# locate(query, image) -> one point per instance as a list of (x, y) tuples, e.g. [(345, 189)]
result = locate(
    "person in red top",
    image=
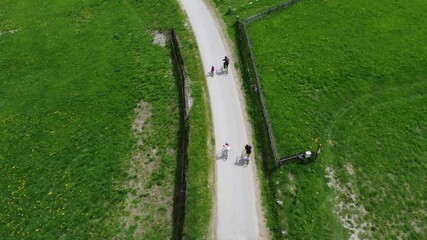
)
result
[(212, 70)]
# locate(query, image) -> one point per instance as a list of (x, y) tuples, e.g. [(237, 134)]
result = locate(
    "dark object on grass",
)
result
[(228, 10), (304, 157)]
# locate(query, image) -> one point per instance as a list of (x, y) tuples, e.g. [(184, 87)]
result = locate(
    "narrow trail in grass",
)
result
[(238, 208)]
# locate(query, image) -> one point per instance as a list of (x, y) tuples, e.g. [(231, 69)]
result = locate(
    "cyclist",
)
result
[(225, 148), (226, 61), (248, 149), (212, 70)]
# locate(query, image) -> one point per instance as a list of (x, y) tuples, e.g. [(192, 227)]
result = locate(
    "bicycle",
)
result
[(222, 71), (245, 158)]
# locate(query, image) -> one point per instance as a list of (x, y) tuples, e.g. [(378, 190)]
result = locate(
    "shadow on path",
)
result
[(222, 72), (221, 156), (241, 161), (210, 74)]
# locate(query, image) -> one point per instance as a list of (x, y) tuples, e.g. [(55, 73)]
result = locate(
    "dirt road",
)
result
[(238, 209)]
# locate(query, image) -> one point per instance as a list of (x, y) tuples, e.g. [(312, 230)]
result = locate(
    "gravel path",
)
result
[(238, 209)]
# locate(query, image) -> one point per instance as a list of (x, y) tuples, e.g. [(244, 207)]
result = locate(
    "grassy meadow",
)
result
[(351, 76), (90, 121)]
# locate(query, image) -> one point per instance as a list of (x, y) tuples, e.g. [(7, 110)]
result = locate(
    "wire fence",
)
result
[(252, 69), (269, 11), (181, 185)]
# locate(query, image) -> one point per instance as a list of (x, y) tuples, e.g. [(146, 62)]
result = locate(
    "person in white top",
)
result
[(225, 148)]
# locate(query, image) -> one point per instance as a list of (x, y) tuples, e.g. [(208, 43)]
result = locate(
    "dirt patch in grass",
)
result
[(146, 204), (159, 38), (12, 31), (352, 214), (292, 186), (418, 226), (143, 112), (189, 99), (350, 169), (140, 168)]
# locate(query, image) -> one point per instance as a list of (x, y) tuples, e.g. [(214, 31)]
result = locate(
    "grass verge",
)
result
[(200, 175)]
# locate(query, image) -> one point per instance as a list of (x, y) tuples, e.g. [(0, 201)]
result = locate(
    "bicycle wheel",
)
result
[(225, 154)]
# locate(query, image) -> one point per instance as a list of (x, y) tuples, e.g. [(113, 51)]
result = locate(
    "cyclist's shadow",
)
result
[(222, 72), (221, 156), (210, 74), (241, 161)]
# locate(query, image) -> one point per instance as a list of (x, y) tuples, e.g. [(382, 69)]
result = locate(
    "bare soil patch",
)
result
[(352, 214), (143, 111), (292, 186), (159, 38), (145, 202)]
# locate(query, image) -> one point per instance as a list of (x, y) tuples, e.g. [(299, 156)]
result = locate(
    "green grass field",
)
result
[(350, 75), (71, 76)]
